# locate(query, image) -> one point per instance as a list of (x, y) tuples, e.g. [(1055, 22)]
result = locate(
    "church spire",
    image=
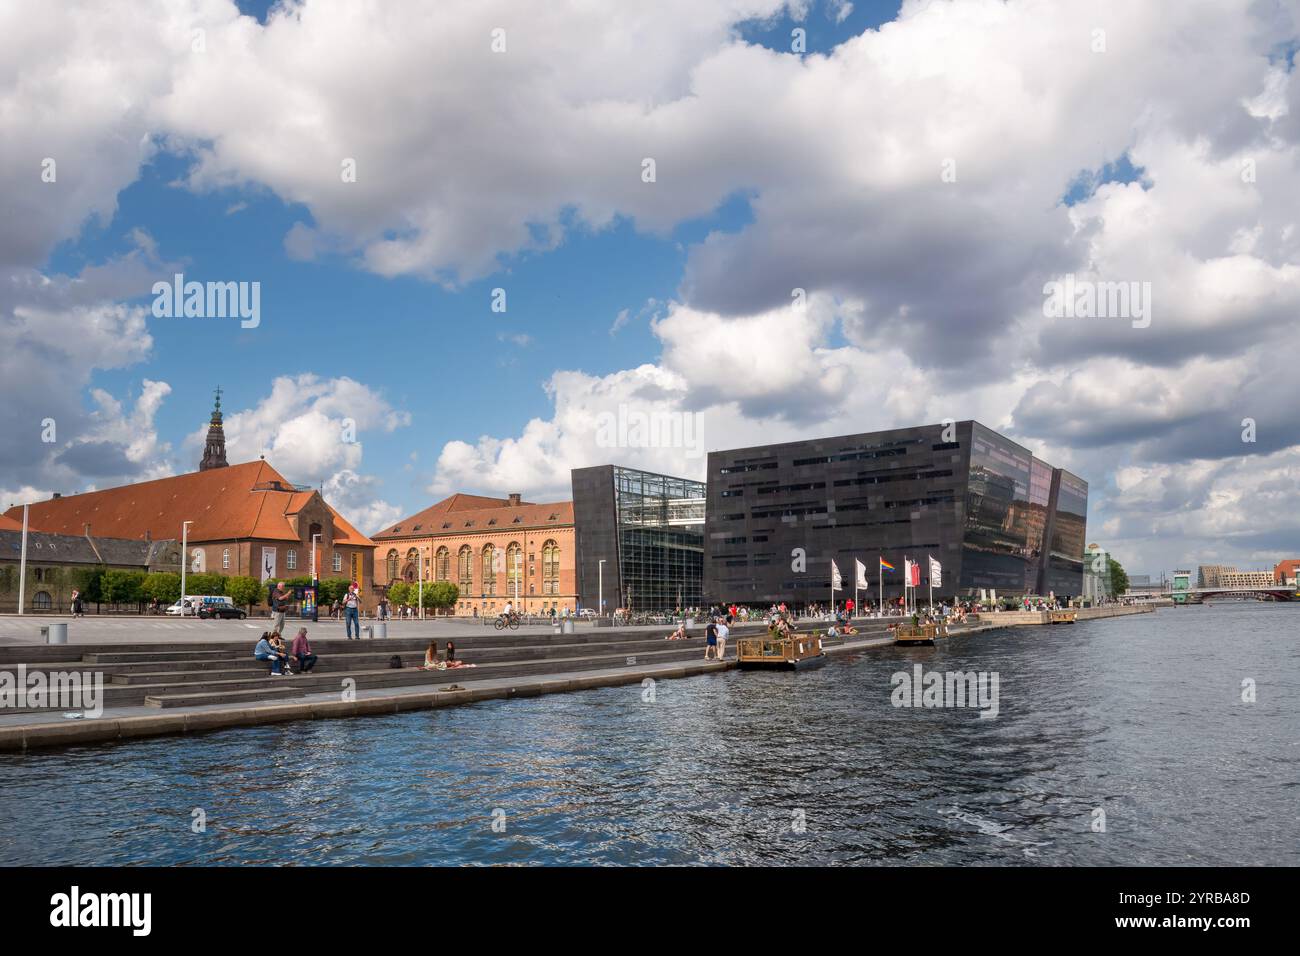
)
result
[(214, 452)]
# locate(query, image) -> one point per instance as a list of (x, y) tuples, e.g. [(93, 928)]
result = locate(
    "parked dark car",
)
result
[(221, 610)]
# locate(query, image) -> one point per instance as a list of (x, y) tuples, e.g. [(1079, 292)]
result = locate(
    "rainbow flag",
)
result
[(885, 565)]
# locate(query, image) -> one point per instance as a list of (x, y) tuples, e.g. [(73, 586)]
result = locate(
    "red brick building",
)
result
[(245, 520), (1285, 571), (491, 548)]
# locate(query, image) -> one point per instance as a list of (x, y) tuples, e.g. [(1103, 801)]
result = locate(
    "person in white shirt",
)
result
[(723, 631), (510, 609)]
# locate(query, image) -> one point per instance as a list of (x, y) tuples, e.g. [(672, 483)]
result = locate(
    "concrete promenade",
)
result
[(516, 651)]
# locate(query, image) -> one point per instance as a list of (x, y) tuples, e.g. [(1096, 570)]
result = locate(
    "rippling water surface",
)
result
[(1141, 717)]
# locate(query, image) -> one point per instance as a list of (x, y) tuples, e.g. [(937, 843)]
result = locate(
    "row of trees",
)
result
[(117, 587), (438, 595)]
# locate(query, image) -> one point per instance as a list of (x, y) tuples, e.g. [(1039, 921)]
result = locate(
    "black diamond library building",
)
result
[(997, 518)]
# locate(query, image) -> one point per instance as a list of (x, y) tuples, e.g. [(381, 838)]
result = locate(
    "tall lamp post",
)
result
[(315, 581), (185, 559), (419, 576), (601, 578), (519, 571), (22, 568)]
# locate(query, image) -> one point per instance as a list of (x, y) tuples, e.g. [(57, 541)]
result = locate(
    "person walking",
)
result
[(352, 610), (281, 598), (301, 649), (711, 641), (78, 609)]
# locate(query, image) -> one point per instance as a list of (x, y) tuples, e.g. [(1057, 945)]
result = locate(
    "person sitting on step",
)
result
[(264, 652), (301, 650), (431, 662), (277, 646)]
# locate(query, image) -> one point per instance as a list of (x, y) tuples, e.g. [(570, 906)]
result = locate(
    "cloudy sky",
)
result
[(639, 190)]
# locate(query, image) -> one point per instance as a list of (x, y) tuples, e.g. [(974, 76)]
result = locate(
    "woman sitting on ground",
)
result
[(451, 663), (679, 634), (431, 662)]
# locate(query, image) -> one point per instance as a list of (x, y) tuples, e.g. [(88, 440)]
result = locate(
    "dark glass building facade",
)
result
[(648, 529), (992, 514)]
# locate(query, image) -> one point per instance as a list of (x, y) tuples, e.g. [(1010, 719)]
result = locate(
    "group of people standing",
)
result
[(283, 598)]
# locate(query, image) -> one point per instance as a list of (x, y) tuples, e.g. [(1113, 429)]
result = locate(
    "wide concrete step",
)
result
[(225, 697), (129, 695), (181, 672)]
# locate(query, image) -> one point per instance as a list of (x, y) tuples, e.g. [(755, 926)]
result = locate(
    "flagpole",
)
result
[(880, 575), (929, 571)]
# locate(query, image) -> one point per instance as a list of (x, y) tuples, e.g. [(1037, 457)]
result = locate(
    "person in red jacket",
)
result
[(301, 649)]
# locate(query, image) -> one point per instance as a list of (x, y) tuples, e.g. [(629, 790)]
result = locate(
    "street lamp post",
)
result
[(419, 576), (22, 568), (315, 581), (185, 559), (601, 569)]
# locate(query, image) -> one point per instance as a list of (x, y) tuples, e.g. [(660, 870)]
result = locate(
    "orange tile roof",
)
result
[(9, 524), (467, 514), (241, 501)]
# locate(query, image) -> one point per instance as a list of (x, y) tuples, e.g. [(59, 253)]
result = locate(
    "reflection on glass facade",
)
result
[(640, 538), (1068, 530), (1007, 500), (660, 539)]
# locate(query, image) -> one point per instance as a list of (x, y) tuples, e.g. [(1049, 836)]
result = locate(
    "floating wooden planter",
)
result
[(792, 653), (1062, 617), (919, 635)]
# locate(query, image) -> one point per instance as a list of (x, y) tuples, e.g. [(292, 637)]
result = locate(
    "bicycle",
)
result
[(504, 621)]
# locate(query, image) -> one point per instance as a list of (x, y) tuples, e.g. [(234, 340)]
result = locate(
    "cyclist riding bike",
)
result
[(508, 618)]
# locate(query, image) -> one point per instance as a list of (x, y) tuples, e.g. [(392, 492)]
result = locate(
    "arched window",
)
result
[(41, 601), (550, 568), (393, 569), (412, 570), (442, 565), (465, 562), (489, 569), (514, 569)]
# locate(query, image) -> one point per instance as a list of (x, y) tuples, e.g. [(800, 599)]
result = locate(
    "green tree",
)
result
[(332, 589), (445, 594), (88, 581), (399, 592), (1118, 579), (122, 587), (244, 591), (163, 585), (206, 583)]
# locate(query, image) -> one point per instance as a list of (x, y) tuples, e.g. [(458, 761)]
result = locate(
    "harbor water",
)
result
[(1126, 741)]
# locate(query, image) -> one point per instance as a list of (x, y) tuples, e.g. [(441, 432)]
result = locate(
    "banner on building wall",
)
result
[(356, 569), (268, 564), (198, 560)]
